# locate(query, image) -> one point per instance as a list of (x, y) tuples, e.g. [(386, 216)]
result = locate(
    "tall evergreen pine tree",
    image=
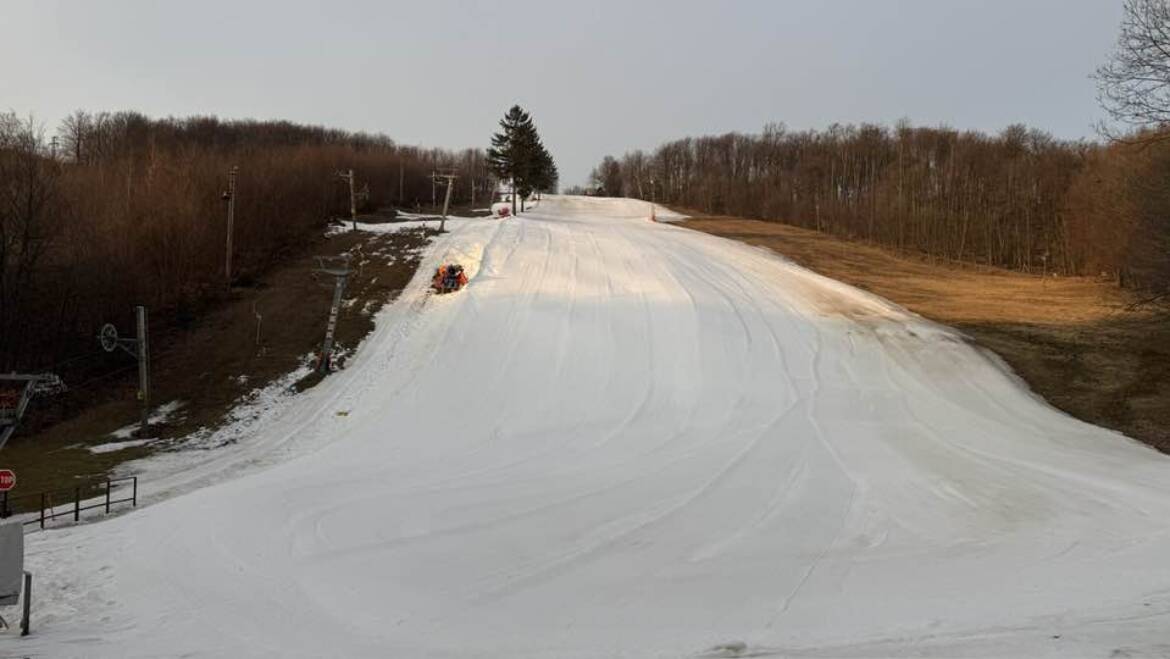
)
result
[(517, 154)]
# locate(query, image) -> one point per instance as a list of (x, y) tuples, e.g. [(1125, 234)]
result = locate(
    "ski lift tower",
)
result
[(139, 348), (338, 267)]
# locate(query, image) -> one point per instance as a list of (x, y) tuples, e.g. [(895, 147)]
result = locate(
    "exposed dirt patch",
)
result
[(1074, 340), (223, 355)]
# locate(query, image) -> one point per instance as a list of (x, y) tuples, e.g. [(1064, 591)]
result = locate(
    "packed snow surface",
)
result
[(627, 439)]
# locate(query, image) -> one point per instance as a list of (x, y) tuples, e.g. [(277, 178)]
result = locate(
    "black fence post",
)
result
[(42, 510), (134, 496), (107, 496), (24, 622), (77, 505)]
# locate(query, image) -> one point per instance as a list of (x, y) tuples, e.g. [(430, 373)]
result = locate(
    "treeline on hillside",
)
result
[(120, 209), (1020, 199)]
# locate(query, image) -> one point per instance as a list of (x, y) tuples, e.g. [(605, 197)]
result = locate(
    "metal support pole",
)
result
[(25, 621), (327, 347), (4, 507), (42, 510), (107, 497), (77, 505), (143, 369), (134, 493), (231, 222)]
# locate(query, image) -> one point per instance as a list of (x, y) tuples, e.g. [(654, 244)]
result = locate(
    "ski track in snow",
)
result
[(627, 439)]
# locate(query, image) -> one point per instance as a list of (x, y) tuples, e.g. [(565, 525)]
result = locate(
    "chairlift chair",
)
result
[(15, 392)]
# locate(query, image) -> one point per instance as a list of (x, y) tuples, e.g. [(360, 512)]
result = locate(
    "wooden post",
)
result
[(143, 370), (134, 493), (259, 320), (107, 496), (42, 510), (231, 221)]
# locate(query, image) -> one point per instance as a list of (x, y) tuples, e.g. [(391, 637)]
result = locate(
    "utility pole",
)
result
[(352, 202), (230, 198), (143, 369), (450, 178), (348, 176), (339, 268)]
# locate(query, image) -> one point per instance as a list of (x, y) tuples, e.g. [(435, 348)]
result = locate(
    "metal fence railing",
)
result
[(41, 507)]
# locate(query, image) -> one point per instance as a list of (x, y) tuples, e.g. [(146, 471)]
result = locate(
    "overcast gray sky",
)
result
[(599, 77)]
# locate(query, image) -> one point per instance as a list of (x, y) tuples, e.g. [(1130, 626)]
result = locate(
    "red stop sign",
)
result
[(7, 479)]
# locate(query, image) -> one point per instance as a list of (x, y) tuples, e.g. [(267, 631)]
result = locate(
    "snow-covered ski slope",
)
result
[(627, 439)]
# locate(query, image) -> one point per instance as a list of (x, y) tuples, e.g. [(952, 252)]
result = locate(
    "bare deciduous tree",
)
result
[(29, 219), (73, 131), (1134, 85), (606, 178), (964, 196)]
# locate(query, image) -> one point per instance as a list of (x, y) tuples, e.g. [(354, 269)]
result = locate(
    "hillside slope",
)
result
[(631, 439)]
